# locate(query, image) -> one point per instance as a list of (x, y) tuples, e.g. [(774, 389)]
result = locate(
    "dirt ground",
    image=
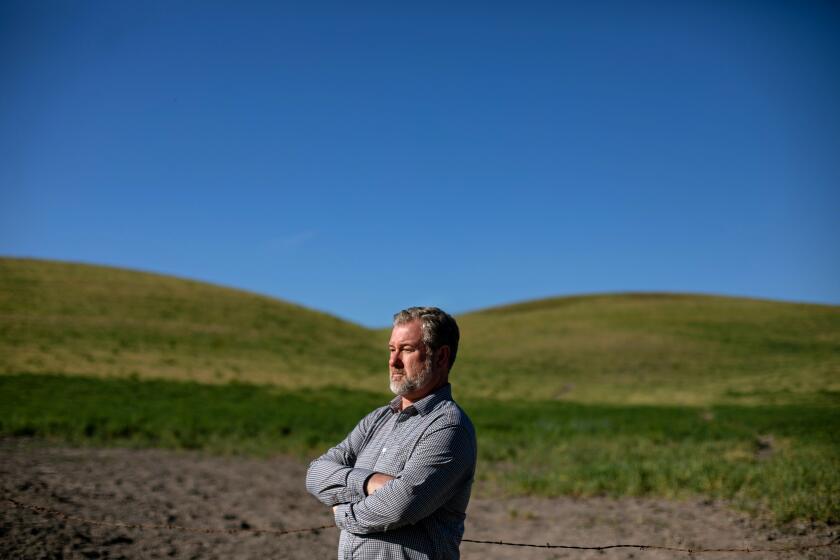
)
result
[(199, 491)]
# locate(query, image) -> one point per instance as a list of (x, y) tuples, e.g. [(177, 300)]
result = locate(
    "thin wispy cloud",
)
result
[(291, 242)]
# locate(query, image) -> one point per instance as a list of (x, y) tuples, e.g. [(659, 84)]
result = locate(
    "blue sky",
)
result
[(360, 158)]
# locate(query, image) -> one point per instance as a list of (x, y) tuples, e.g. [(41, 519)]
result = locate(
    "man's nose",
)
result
[(394, 360)]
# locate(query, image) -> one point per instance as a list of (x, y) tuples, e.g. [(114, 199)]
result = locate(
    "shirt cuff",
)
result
[(340, 515), (356, 480)]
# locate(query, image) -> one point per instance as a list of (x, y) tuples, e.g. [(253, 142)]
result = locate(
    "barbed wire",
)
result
[(280, 532), (657, 547)]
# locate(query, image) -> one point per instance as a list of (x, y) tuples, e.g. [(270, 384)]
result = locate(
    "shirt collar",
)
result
[(427, 403)]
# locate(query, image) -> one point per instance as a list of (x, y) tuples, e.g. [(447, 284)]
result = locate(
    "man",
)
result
[(399, 484)]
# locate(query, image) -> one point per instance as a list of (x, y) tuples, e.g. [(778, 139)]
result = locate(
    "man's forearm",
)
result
[(376, 481), (332, 478), (334, 483), (390, 503), (442, 463)]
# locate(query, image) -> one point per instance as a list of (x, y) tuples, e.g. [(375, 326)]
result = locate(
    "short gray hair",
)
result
[(438, 327)]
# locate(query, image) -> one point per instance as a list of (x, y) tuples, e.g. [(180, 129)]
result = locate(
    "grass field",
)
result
[(783, 459), (634, 394)]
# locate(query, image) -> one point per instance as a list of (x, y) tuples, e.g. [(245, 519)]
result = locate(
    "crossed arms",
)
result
[(365, 501)]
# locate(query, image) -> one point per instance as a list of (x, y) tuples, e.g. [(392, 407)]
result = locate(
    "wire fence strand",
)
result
[(315, 530), (658, 547)]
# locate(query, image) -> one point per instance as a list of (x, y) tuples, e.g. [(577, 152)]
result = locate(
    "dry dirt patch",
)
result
[(197, 490)]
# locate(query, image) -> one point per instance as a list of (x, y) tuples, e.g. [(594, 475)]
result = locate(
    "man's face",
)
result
[(410, 365)]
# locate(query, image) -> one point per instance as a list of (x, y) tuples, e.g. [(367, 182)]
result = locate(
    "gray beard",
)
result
[(406, 385)]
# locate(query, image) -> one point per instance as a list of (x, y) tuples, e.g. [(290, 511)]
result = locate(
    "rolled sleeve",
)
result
[(340, 514), (356, 480)]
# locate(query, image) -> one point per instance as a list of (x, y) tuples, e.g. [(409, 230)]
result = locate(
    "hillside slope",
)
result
[(623, 348), (653, 348), (93, 320)]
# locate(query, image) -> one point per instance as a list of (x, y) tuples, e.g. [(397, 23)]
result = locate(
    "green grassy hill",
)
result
[(654, 349), (93, 320), (627, 348), (631, 394)]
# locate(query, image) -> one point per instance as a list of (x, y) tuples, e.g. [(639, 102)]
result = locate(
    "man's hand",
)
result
[(376, 481)]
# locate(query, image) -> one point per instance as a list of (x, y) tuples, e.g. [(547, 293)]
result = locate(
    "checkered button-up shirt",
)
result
[(430, 449)]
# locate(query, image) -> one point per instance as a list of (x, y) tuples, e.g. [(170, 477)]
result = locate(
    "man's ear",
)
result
[(442, 358)]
